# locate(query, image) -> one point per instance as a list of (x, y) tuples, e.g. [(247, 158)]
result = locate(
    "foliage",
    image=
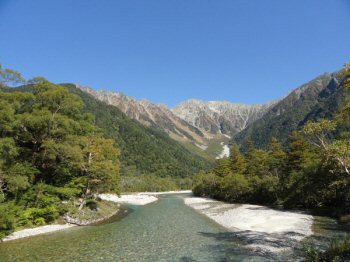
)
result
[(321, 98), (50, 152), (339, 250), (59, 148), (153, 183), (149, 183), (238, 163), (301, 176), (253, 177), (347, 75), (8, 213), (94, 211), (311, 171), (144, 150), (9, 77)]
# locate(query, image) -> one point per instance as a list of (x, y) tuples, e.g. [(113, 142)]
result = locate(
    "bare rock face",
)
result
[(209, 125), (149, 114), (221, 117), (202, 124)]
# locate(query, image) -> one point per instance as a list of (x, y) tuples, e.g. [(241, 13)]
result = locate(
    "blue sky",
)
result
[(247, 51)]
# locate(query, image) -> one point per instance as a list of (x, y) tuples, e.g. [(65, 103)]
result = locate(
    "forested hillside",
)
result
[(311, 171), (150, 115), (143, 150), (53, 159), (60, 148), (320, 98)]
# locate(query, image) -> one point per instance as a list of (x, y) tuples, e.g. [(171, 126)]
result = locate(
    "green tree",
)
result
[(237, 159), (99, 165), (235, 188), (347, 76), (258, 162), (207, 185), (300, 153), (222, 167), (277, 157), (334, 150), (50, 150), (10, 77)]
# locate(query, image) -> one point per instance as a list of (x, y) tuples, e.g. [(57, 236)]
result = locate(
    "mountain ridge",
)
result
[(220, 116), (207, 127), (147, 113), (207, 133), (320, 97)]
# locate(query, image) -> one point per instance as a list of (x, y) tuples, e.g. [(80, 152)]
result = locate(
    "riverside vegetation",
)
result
[(312, 171), (145, 151), (53, 159), (60, 147)]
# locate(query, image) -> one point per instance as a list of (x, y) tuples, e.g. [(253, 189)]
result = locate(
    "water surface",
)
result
[(166, 230)]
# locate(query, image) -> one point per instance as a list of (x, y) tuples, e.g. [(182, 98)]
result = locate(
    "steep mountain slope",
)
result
[(318, 98), (216, 117), (149, 114), (202, 127), (144, 150)]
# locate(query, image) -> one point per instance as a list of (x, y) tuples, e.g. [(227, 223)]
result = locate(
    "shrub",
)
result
[(7, 218), (39, 221), (32, 216), (339, 250), (235, 187), (92, 204)]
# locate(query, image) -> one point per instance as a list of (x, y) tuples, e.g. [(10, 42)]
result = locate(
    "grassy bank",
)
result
[(94, 211)]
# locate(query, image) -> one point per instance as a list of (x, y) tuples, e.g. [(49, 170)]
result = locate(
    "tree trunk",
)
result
[(85, 195), (87, 189), (82, 204)]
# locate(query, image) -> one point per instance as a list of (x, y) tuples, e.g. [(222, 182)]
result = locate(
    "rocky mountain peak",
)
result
[(194, 121), (219, 116), (149, 114)]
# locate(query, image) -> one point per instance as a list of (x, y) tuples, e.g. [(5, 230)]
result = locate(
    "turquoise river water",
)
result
[(166, 230)]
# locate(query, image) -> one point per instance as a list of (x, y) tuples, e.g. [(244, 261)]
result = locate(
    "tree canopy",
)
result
[(311, 171), (50, 153)]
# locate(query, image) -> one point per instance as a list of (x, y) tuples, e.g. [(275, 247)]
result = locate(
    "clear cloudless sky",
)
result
[(248, 51)]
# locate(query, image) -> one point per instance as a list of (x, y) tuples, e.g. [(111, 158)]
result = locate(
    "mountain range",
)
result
[(322, 97), (207, 128), (203, 127)]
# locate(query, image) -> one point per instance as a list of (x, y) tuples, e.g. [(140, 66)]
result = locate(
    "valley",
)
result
[(163, 229), (204, 146), (208, 128), (196, 124), (189, 131)]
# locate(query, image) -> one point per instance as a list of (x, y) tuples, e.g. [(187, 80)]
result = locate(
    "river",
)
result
[(166, 230)]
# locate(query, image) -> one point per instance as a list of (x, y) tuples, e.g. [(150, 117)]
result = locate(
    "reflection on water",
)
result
[(166, 230)]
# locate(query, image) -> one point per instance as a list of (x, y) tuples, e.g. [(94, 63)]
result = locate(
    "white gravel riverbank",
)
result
[(142, 198), (36, 231), (132, 199), (167, 192), (273, 230)]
